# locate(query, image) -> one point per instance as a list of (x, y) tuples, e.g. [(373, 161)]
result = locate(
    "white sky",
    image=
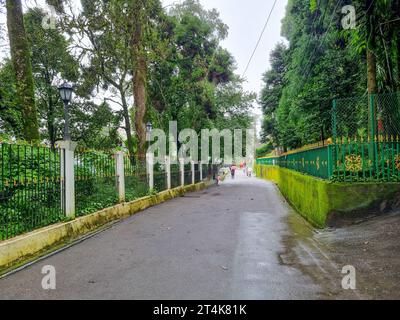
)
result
[(245, 20)]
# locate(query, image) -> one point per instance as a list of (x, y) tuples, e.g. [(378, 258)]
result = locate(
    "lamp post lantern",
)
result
[(149, 127), (65, 91)]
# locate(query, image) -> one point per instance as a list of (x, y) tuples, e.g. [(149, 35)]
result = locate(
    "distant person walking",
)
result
[(233, 170)]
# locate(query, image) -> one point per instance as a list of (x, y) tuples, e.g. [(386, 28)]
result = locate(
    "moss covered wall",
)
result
[(317, 200)]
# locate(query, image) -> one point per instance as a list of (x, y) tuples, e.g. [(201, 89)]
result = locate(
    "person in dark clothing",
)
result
[(233, 170)]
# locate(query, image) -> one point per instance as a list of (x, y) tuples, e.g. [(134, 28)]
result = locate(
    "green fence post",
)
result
[(331, 155), (330, 162), (334, 120), (372, 115), (372, 124)]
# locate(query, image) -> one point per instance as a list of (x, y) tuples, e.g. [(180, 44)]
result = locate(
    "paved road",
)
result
[(237, 241)]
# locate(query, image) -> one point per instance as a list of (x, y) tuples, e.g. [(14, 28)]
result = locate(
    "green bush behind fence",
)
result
[(95, 181), (30, 188), (31, 184)]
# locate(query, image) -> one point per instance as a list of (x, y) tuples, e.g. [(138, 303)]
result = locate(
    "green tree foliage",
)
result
[(51, 64), (10, 113), (377, 36), (194, 82), (103, 40), (144, 63), (264, 150), (20, 56), (323, 61), (271, 94), (144, 18)]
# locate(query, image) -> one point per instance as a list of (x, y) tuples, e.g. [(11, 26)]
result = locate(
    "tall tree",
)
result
[(143, 20), (51, 64), (274, 80), (10, 113), (20, 56), (138, 19), (324, 61), (191, 78), (103, 37), (371, 26)]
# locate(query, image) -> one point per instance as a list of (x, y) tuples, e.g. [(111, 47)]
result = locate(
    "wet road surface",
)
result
[(240, 240), (372, 246)]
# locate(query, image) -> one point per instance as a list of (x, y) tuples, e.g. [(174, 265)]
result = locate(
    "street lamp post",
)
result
[(67, 157), (149, 157), (65, 91), (149, 128)]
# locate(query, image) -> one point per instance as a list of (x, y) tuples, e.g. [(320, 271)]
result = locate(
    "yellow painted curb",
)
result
[(26, 246)]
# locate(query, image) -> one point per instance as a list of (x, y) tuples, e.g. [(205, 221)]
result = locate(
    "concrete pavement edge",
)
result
[(28, 247)]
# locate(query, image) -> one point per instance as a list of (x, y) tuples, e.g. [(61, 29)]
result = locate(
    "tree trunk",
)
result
[(371, 74), (139, 83), (397, 39), (128, 129), (50, 111), (50, 121), (20, 57), (398, 60), (371, 70), (371, 59), (386, 37), (139, 92)]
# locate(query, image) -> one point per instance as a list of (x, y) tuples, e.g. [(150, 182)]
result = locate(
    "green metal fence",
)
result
[(316, 162), (33, 190), (363, 161), (95, 181), (364, 146), (365, 138), (366, 117), (136, 180), (160, 180), (270, 161), (30, 188), (197, 174), (347, 161), (206, 171), (350, 117), (188, 174), (387, 108), (175, 176)]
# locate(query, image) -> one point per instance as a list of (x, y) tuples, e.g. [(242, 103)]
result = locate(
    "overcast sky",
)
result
[(245, 20)]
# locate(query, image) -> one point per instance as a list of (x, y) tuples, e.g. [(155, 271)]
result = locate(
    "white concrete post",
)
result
[(120, 175), (150, 169), (193, 172), (67, 177), (201, 170), (168, 171), (182, 169)]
